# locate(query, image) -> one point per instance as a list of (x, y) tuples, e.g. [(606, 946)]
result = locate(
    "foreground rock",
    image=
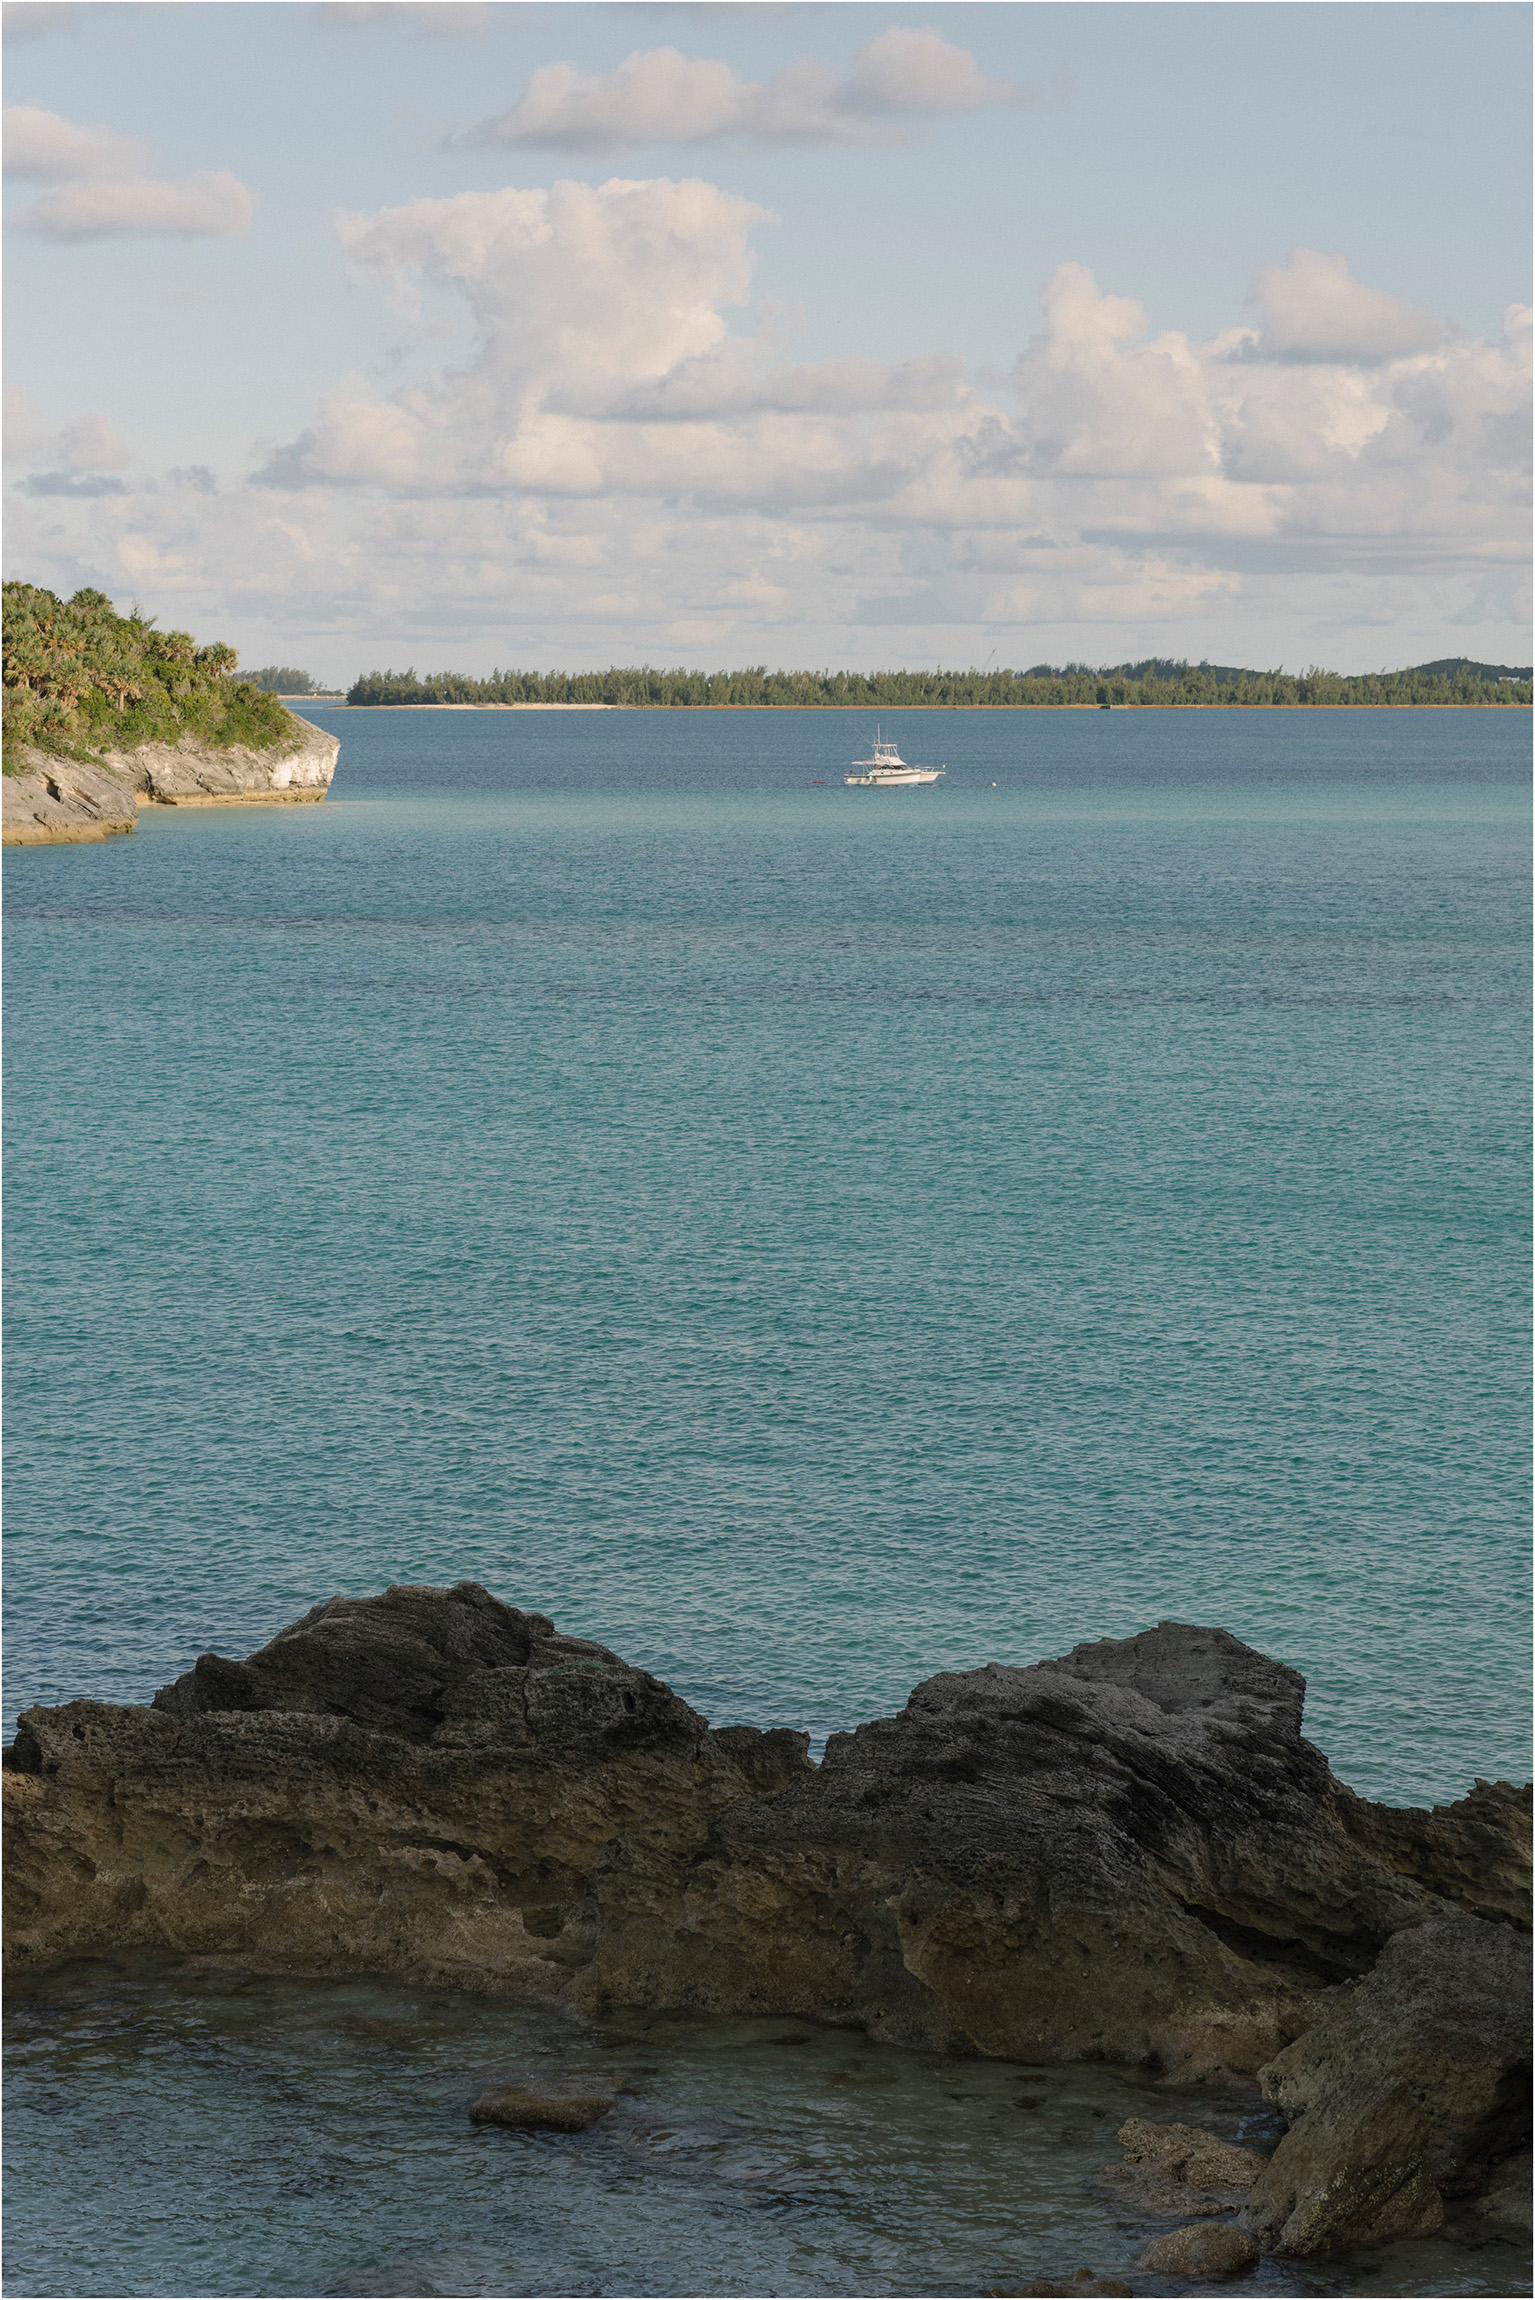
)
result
[(1411, 2089), (1130, 1854), (1203, 2252), (522, 2111), (62, 801), (1181, 2172)]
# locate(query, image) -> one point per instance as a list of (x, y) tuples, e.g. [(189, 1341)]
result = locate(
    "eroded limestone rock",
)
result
[(54, 801), (1180, 2171), (1204, 2251), (1408, 2090)]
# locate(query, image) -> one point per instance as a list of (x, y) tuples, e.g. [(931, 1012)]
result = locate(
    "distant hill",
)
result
[(1450, 666)]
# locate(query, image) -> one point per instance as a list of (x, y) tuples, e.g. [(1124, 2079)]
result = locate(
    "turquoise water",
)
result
[(804, 1238)]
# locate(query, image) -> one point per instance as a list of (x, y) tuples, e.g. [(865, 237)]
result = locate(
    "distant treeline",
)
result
[(282, 679), (1156, 682)]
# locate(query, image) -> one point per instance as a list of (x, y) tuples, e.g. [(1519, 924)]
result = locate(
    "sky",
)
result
[(370, 334)]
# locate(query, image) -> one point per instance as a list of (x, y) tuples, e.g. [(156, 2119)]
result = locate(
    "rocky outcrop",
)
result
[(59, 802), (1411, 2088), (1129, 1854), (53, 801)]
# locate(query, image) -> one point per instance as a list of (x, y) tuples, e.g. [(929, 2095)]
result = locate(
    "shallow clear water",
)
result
[(216, 2134), (804, 1238)]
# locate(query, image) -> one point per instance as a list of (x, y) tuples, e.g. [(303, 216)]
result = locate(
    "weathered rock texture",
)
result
[(63, 800), (523, 2111), (1178, 2171), (1202, 2252), (1129, 1854), (1412, 2088)]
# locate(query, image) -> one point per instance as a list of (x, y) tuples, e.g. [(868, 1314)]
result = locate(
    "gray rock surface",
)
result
[(1410, 2089), (60, 801)]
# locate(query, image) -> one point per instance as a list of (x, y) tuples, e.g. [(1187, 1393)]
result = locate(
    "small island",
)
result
[(104, 714)]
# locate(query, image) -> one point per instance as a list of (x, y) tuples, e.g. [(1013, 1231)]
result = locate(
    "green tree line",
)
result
[(1156, 683), (79, 678)]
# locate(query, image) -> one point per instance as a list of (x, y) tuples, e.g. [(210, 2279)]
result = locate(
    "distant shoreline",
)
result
[(1155, 710)]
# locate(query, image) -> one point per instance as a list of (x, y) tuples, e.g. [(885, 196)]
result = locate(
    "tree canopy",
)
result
[(1157, 682), (80, 678)]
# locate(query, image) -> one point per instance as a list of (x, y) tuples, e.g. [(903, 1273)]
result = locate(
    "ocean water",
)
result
[(806, 1239)]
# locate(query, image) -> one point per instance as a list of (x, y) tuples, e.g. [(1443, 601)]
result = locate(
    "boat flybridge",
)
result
[(886, 770)]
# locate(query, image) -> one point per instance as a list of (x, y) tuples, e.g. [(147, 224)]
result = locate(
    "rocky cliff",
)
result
[(56, 800), (1129, 1854)]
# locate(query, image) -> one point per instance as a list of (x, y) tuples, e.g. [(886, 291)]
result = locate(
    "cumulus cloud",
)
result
[(104, 184), (89, 444), (1313, 310), (660, 96), (51, 150), (622, 466)]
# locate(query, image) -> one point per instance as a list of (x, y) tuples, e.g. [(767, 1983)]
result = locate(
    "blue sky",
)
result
[(1089, 331)]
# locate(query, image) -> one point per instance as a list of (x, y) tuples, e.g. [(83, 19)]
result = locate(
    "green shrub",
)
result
[(81, 679)]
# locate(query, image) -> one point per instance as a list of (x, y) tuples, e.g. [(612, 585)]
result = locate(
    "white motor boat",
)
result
[(886, 770)]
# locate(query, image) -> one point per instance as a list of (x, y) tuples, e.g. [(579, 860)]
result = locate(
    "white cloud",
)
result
[(911, 68), (41, 145), (89, 444), (1313, 310), (105, 184), (623, 467), (660, 96)]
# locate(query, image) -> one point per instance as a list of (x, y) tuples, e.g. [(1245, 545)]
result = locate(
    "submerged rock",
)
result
[(1203, 2251), (1181, 2171), (523, 2111), (1129, 1854)]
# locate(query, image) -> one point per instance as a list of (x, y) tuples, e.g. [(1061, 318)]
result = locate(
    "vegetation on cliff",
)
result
[(81, 679), (1156, 682)]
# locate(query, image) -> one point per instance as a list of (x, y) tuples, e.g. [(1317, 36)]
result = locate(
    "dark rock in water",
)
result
[(1181, 2171), (1408, 2090), (523, 2111), (1204, 2251), (1083, 2286), (1128, 1854)]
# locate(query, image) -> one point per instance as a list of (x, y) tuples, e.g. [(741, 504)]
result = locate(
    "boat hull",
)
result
[(893, 779)]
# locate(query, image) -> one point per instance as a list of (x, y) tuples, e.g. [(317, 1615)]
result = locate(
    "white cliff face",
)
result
[(60, 800)]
